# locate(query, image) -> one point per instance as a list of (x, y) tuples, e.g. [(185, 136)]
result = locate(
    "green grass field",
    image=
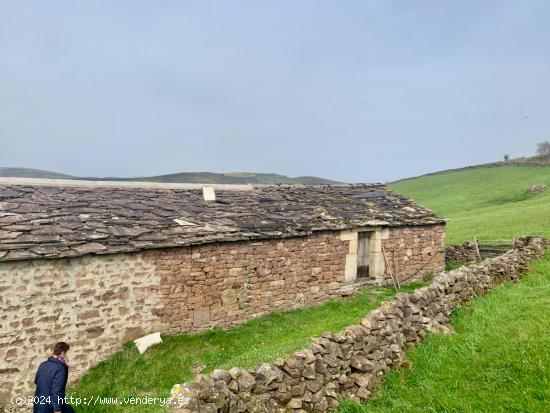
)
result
[(490, 203), (498, 360), (129, 374)]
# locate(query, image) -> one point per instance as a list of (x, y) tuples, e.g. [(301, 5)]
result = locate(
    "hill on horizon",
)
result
[(257, 178), (8, 172), (181, 177)]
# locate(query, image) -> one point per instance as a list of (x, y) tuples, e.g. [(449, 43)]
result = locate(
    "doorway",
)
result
[(363, 239)]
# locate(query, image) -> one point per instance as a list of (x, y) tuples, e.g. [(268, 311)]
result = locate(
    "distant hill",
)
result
[(233, 178), (182, 177), (32, 173)]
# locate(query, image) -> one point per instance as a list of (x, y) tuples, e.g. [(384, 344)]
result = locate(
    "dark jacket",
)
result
[(50, 380)]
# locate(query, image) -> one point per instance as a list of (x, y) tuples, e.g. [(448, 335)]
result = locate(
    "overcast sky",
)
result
[(351, 90)]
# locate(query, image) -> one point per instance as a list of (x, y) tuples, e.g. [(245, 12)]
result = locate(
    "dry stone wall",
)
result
[(351, 363), (462, 253)]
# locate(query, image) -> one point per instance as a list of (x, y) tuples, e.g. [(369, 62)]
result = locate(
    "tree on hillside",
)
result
[(543, 148), (506, 157)]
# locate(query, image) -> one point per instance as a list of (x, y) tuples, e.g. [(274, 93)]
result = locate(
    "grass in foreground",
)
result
[(489, 203), (128, 373), (498, 360)]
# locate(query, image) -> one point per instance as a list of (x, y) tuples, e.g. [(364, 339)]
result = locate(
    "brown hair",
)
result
[(60, 347)]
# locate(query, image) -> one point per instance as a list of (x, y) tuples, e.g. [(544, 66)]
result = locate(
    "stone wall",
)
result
[(351, 363), (220, 285), (415, 252), (97, 303), (94, 303), (463, 253), (410, 253)]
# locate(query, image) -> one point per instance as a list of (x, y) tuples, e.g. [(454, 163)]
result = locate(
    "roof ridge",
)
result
[(81, 183)]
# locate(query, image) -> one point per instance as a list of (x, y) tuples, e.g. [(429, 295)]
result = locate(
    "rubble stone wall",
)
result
[(462, 253), (220, 285), (96, 303), (415, 252), (93, 303), (352, 362)]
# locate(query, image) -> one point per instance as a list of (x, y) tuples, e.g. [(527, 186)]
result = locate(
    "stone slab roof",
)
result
[(50, 220)]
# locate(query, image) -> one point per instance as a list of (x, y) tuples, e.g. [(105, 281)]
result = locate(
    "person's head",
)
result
[(61, 348)]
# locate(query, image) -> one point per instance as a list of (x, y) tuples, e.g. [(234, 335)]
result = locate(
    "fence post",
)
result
[(477, 249)]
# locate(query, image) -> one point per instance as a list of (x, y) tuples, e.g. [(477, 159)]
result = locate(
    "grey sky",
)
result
[(349, 90)]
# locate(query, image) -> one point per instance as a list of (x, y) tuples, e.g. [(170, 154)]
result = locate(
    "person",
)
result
[(51, 380)]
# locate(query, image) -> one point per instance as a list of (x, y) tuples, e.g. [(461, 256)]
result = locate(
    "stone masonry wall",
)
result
[(220, 285), (94, 303), (415, 252), (465, 252), (352, 362), (97, 303)]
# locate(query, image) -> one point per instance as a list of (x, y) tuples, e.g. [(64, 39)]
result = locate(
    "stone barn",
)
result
[(97, 263)]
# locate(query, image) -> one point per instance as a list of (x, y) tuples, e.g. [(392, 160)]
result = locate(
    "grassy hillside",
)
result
[(498, 360), (538, 160), (488, 202)]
